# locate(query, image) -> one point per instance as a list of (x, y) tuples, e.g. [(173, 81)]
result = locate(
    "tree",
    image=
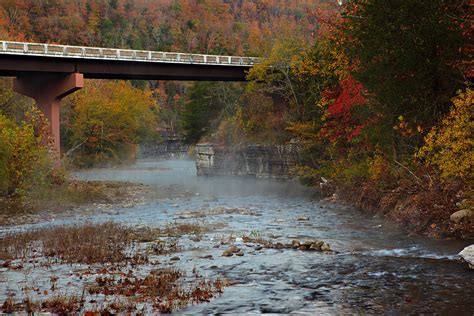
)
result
[(25, 161), (107, 120), (450, 145), (209, 102), (406, 52)]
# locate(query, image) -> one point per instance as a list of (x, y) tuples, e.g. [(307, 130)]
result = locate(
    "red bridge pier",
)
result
[(47, 89)]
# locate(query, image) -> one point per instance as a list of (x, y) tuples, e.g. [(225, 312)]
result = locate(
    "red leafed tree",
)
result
[(340, 122)]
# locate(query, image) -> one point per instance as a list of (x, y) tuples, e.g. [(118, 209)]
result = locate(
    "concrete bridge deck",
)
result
[(18, 58), (49, 72)]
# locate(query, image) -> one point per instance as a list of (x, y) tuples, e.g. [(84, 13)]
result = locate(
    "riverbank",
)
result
[(231, 236), (417, 210), (70, 199), (420, 209)]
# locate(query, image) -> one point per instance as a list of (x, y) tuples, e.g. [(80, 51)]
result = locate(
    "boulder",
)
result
[(468, 255), (234, 249), (227, 253), (279, 245), (231, 251), (316, 245), (295, 244), (325, 247), (458, 216)]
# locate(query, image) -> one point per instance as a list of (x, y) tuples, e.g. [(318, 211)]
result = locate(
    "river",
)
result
[(375, 267)]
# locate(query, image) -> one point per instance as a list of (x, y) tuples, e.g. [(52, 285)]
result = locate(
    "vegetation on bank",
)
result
[(377, 95), (104, 123), (381, 106)]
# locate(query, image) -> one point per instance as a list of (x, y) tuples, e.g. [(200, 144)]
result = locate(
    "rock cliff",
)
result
[(260, 161)]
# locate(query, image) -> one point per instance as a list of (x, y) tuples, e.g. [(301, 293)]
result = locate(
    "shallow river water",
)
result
[(375, 267)]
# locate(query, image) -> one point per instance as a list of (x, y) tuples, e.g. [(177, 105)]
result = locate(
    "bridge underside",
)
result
[(118, 69), (47, 79)]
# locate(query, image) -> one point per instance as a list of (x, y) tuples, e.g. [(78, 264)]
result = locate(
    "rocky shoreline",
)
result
[(418, 212), (113, 196)]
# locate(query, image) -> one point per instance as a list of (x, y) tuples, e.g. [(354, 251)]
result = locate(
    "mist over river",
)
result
[(374, 267)]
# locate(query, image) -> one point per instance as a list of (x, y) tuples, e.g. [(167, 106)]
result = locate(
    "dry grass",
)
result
[(63, 305), (175, 230), (95, 243), (90, 243), (69, 195), (162, 288)]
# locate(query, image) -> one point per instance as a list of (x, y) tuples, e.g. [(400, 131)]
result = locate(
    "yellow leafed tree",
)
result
[(450, 146), (107, 120)]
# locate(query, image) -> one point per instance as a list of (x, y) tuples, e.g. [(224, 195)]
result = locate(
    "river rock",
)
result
[(295, 244), (227, 253), (458, 216), (205, 257), (279, 245), (325, 247), (468, 255), (231, 251), (234, 249), (316, 245), (175, 258)]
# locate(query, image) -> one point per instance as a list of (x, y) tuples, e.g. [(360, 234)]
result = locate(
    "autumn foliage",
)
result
[(24, 154), (106, 121), (450, 145), (364, 87)]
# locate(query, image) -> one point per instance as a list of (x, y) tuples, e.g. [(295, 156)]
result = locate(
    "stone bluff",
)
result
[(260, 161)]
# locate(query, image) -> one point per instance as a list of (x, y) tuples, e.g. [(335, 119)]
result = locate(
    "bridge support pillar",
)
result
[(48, 90)]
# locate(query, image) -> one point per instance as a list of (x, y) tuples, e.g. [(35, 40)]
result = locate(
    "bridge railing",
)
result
[(67, 51)]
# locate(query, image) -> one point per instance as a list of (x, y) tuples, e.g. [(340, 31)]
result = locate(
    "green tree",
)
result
[(405, 53), (209, 102)]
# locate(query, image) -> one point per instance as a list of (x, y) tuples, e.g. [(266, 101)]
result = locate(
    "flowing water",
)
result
[(375, 268)]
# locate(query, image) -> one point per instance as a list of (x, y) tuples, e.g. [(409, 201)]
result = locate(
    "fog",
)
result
[(180, 176)]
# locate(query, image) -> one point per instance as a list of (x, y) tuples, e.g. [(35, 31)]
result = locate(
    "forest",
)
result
[(363, 109), (377, 95)]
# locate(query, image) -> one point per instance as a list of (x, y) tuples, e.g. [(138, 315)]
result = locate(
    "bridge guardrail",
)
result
[(68, 51)]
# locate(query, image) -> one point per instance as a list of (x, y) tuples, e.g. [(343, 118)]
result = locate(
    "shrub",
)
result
[(450, 146), (24, 156)]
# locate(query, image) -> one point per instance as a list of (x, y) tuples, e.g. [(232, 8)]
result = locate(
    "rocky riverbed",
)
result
[(104, 197), (254, 246)]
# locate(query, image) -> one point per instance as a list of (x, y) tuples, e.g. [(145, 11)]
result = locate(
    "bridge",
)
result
[(49, 72)]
